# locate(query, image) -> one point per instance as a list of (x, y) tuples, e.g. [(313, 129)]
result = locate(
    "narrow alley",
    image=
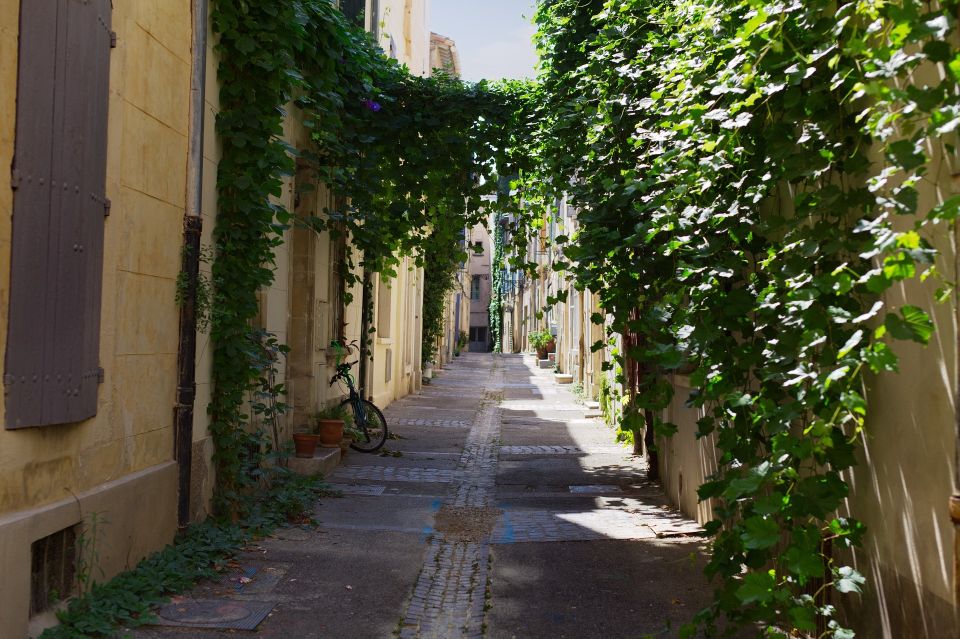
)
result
[(500, 511)]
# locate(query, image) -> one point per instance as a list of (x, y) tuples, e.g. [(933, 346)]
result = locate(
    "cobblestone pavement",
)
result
[(443, 423), (499, 511), (448, 599)]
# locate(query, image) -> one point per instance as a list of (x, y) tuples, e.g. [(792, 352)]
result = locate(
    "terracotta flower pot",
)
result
[(304, 444), (551, 346), (542, 352), (331, 432)]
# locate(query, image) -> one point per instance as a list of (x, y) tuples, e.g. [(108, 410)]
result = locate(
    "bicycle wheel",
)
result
[(373, 424)]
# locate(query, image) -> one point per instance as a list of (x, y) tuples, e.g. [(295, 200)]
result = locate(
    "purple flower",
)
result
[(372, 105)]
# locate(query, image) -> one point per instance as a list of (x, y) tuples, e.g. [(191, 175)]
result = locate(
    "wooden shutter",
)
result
[(59, 175)]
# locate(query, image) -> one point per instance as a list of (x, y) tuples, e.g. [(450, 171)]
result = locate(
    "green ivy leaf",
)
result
[(913, 323), (846, 579), (759, 533), (757, 587)]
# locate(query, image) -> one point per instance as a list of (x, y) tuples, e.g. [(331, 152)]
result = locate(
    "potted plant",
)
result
[(330, 422), (541, 340), (462, 340), (305, 441)]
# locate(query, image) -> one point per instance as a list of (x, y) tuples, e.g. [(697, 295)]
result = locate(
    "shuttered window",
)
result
[(59, 204)]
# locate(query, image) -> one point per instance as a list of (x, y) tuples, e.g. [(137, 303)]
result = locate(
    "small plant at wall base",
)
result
[(539, 340), (462, 341), (88, 551), (200, 552)]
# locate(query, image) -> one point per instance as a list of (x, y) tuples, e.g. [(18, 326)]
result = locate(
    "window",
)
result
[(354, 10), (53, 569), (478, 248), (384, 308), (475, 287), (478, 334), (59, 204)]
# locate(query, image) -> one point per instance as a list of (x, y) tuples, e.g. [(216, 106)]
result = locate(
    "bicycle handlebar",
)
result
[(342, 370)]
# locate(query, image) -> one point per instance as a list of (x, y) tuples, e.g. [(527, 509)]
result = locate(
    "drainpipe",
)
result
[(192, 226), (366, 320), (954, 505)]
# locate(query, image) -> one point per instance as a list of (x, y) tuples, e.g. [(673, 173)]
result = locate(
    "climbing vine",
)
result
[(443, 258), (409, 157), (497, 265), (747, 177)]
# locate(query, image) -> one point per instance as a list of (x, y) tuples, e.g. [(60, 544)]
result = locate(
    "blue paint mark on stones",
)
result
[(507, 536)]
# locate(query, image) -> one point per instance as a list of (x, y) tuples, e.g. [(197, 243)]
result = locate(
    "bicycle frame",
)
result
[(359, 412)]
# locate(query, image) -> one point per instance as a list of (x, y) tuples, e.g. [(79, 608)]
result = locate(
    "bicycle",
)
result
[(367, 418)]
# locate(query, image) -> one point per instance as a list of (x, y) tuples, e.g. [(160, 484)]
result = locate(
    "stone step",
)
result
[(562, 378), (545, 363), (323, 462)]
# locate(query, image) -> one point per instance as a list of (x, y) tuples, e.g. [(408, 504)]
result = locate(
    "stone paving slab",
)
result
[(393, 473), (600, 589), (441, 423), (568, 471), (541, 450), (537, 407), (449, 413), (314, 601), (396, 457), (518, 526)]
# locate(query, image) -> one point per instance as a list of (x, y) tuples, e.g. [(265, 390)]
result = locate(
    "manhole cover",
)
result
[(594, 489), (205, 612), (239, 615)]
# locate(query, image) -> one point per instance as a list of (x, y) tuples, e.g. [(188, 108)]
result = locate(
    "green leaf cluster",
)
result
[(738, 168), (409, 159)]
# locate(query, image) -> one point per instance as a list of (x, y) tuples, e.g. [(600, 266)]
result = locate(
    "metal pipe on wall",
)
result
[(192, 227)]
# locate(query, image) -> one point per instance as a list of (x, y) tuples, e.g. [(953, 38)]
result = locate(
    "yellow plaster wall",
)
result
[(55, 476), (404, 340), (147, 150), (407, 22), (907, 465)]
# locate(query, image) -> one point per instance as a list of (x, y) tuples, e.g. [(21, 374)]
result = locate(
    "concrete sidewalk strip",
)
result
[(542, 526), (443, 423), (357, 489), (541, 450), (394, 473), (544, 406)]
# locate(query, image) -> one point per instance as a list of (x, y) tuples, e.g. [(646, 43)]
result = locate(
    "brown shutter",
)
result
[(59, 204)]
